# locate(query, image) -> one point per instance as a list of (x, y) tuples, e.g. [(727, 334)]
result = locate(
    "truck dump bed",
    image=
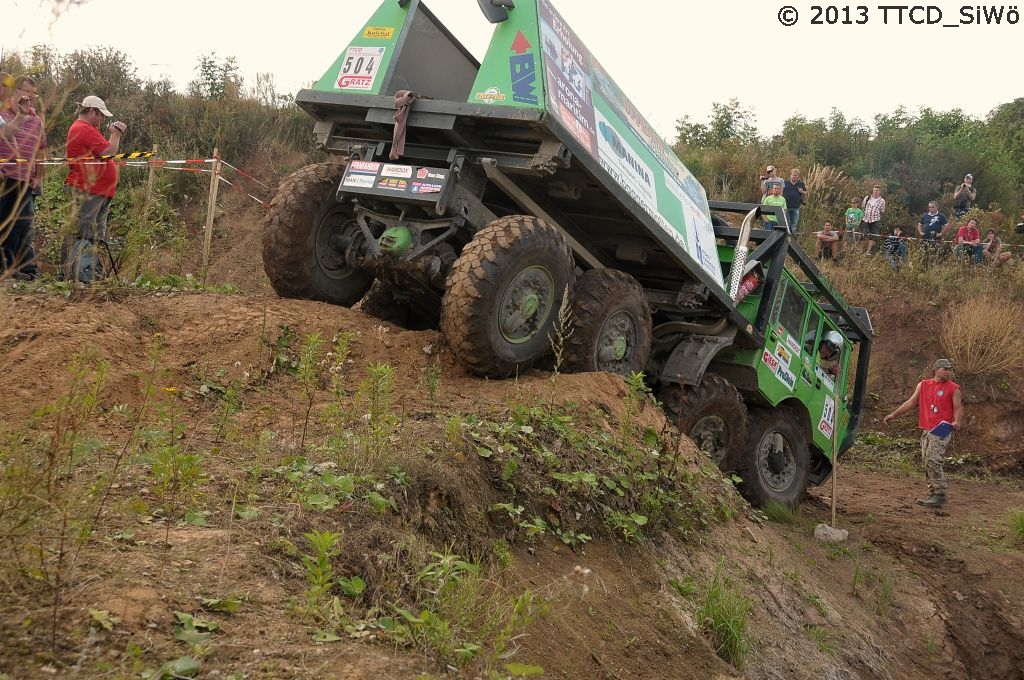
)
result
[(550, 118)]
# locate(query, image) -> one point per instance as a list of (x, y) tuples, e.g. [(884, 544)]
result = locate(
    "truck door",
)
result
[(825, 387), (790, 363)]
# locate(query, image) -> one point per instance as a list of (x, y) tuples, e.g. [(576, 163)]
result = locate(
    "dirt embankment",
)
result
[(913, 594)]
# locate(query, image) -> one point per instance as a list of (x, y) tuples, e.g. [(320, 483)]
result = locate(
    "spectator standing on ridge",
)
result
[(774, 198), (874, 208), (964, 196), (7, 129), (931, 228), (94, 182), (939, 401), (968, 240), (22, 180), (852, 218), (771, 177), (794, 191)]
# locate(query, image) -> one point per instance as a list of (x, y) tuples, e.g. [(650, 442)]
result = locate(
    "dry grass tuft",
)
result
[(982, 336)]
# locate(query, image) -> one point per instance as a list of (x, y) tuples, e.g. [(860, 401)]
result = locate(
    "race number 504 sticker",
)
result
[(359, 67), (828, 417)]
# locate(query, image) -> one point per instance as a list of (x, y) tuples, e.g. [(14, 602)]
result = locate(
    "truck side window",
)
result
[(811, 333), (792, 310)]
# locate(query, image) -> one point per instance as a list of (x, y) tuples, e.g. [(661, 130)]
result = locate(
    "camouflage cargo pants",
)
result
[(933, 453)]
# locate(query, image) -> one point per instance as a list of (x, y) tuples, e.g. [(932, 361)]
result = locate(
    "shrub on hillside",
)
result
[(981, 335)]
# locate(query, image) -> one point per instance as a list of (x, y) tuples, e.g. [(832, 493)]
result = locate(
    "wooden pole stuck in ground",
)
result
[(149, 180), (835, 470), (211, 208)]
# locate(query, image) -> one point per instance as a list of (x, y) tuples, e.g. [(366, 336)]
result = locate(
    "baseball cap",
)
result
[(770, 168), (968, 176), (943, 363), (94, 102)]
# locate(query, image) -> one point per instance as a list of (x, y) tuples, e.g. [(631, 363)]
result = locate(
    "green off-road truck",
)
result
[(476, 198)]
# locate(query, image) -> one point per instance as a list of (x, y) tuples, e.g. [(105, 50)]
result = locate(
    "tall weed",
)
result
[(982, 335)]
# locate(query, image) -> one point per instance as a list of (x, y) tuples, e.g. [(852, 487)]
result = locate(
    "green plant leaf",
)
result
[(182, 667), (352, 587), (320, 501), (103, 619), (325, 636), (379, 502), (219, 605), (522, 670), (247, 512), (196, 517)]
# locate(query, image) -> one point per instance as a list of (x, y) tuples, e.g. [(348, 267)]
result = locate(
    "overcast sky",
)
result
[(671, 57)]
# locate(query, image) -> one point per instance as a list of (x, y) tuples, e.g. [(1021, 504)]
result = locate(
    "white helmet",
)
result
[(834, 339)]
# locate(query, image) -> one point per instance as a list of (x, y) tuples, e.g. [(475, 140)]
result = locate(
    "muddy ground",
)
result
[(913, 593)]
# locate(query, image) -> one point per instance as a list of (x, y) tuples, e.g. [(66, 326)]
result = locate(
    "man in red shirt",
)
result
[(94, 181), (940, 411), (968, 240)]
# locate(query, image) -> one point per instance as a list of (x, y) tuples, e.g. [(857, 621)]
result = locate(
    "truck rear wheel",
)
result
[(611, 324), (306, 236), (712, 414), (776, 461), (503, 294)]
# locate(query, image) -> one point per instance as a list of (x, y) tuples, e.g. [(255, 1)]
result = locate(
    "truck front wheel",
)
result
[(712, 414), (307, 233), (611, 324), (776, 461), (503, 294)]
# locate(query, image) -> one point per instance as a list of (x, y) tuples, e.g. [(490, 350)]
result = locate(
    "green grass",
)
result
[(782, 514), (723, 613), (1016, 522)]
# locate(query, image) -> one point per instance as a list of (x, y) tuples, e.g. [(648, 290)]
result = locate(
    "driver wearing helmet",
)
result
[(830, 351)]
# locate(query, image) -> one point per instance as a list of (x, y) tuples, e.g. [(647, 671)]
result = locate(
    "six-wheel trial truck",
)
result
[(475, 198)]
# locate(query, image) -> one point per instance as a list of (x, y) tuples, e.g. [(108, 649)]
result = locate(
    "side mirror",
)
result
[(496, 11)]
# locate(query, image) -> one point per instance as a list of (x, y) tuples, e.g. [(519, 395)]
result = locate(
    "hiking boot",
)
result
[(935, 500)]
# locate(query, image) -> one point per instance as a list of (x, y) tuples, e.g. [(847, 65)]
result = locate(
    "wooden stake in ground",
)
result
[(211, 207), (835, 469), (149, 180)]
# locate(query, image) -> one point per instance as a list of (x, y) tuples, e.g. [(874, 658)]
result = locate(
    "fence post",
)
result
[(149, 181), (211, 208)]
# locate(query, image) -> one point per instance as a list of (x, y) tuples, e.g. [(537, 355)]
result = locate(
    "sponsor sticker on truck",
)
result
[(828, 418), (360, 67)]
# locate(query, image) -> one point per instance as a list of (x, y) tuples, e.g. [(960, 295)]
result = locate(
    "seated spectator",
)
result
[(968, 241), (826, 246), (895, 248), (774, 198), (992, 249)]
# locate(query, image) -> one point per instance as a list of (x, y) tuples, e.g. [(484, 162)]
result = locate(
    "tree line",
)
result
[(916, 158)]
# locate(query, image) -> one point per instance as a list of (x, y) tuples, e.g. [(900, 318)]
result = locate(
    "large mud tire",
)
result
[(712, 414), (503, 294), (304, 222), (611, 324), (768, 472)]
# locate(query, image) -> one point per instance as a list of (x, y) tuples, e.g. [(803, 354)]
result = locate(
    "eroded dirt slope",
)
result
[(913, 593)]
